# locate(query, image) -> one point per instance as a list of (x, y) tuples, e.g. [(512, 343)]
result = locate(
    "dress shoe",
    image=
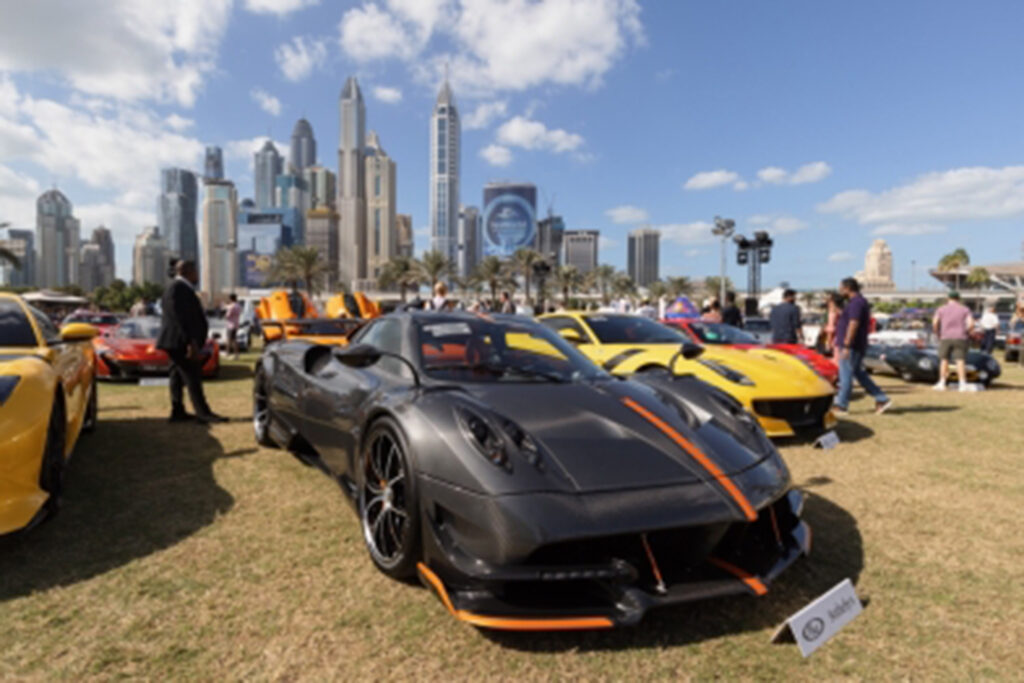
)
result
[(181, 417), (211, 418)]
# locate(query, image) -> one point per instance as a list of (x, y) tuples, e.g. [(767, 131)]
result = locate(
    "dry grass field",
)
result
[(183, 552)]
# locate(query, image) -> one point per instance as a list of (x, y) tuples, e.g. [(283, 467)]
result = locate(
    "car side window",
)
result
[(386, 335), (565, 323), (46, 327)]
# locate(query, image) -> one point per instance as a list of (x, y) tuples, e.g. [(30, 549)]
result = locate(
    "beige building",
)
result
[(322, 234), (877, 273), (322, 187), (403, 234), (218, 265), (150, 257), (382, 242)]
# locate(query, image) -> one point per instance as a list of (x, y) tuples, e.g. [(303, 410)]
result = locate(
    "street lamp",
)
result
[(753, 253), (724, 227)]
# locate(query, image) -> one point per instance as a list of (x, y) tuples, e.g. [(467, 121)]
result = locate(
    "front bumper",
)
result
[(785, 417), (595, 583), (110, 366)]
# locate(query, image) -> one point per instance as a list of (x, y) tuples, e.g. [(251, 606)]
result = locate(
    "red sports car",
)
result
[(720, 333), (129, 352), (104, 322)]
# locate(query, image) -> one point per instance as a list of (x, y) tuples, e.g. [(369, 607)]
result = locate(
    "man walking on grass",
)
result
[(952, 323), (851, 345)]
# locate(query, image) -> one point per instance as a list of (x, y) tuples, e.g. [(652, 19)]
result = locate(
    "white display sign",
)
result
[(816, 623), (154, 381), (828, 440)]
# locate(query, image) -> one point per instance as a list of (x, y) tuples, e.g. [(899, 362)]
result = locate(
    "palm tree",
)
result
[(953, 262), (656, 290), (678, 286), (977, 277), (623, 285), (713, 285), (601, 278), (435, 266), (492, 272), (402, 272), (568, 278), (6, 255), (523, 261)]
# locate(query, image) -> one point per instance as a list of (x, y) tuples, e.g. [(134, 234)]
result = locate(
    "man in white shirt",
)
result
[(989, 327)]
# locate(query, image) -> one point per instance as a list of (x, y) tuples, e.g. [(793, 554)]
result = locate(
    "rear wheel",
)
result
[(51, 475), (388, 502), (261, 410)]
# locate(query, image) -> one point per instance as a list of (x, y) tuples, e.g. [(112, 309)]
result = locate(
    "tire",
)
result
[(906, 376), (388, 502), (51, 473), (91, 410), (261, 410), (1010, 356)]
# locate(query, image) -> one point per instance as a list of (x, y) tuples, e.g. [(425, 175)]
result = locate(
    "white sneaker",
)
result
[(963, 387), (941, 386)]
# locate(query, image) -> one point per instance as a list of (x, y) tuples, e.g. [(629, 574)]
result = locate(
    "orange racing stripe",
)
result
[(746, 577), (511, 623), (698, 455)]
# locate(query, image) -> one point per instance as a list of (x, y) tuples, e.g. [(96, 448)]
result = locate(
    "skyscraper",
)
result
[(176, 212), (104, 240), (218, 272), (266, 166), (150, 257), (292, 192), (579, 248), (403, 234), (322, 184), (444, 174), (380, 207), (261, 233), (509, 218), (22, 244), (322, 235), (550, 233), (351, 185), (89, 266), (469, 240), (59, 240), (642, 259), (302, 153), (214, 167)]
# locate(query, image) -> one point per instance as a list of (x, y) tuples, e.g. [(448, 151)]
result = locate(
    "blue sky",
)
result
[(827, 124)]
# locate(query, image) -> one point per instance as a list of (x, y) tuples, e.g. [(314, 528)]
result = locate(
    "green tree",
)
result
[(601, 279), (435, 267), (523, 261), (657, 289), (298, 264), (712, 284), (623, 285), (494, 273), (678, 286), (953, 262), (569, 279), (402, 272), (8, 256), (978, 277)]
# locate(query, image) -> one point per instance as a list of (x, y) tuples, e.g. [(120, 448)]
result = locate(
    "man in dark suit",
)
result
[(183, 333)]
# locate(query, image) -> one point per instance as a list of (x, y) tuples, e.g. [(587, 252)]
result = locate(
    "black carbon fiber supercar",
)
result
[(524, 485)]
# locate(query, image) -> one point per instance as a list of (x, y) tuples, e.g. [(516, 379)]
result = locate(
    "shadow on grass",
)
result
[(838, 554), (846, 430), (907, 410), (131, 489), (232, 371)]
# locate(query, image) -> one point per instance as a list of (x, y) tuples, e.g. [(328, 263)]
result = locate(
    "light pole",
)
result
[(913, 275), (724, 227)]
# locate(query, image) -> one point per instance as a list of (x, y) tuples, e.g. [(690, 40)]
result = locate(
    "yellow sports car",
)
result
[(47, 398), (778, 389), (356, 305)]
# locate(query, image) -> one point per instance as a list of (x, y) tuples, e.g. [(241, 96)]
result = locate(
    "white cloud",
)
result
[(528, 134), (298, 58), (706, 180), (497, 44), (808, 173), (697, 232), (278, 7), (626, 214), (18, 194), (740, 185), (909, 229), (778, 223), (929, 202), (267, 102), (123, 49), (388, 95), (496, 155), (178, 124), (484, 114), (840, 257)]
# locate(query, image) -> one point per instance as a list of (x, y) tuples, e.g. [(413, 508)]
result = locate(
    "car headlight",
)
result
[(726, 372), (925, 364), (479, 432), (7, 384)]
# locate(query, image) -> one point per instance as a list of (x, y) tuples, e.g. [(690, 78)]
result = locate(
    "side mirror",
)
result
[(570, 335), (358, 355), (689, 350), (78, 332)]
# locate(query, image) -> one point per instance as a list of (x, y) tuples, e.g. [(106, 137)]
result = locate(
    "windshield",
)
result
[(498, 350), (15, 329), (632, 329), (92, 318), (719, 333), (757, 325), (138, 328)]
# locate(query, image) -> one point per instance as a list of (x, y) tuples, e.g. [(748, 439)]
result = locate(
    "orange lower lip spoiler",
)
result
[(753, 583), (510, 623)]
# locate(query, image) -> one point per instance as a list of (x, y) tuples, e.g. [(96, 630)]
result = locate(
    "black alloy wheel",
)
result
[(261, 410), (388, 506), (51, 474)]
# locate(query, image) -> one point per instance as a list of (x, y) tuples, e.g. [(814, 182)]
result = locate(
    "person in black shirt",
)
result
[(787, 327), (731, 312)]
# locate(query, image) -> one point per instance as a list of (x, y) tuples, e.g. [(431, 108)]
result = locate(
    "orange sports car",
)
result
[(286, 315), (356, 305), (129, 352)]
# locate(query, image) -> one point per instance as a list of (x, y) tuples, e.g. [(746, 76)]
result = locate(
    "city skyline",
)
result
[(844, 146)]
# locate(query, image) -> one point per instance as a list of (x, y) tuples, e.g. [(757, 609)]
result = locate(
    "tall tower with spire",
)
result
[(302, 152), (445, 147), (352, 185)]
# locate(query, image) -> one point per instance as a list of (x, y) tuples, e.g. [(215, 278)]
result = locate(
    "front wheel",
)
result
[(51, 474), (388, 503), (261, 410)]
